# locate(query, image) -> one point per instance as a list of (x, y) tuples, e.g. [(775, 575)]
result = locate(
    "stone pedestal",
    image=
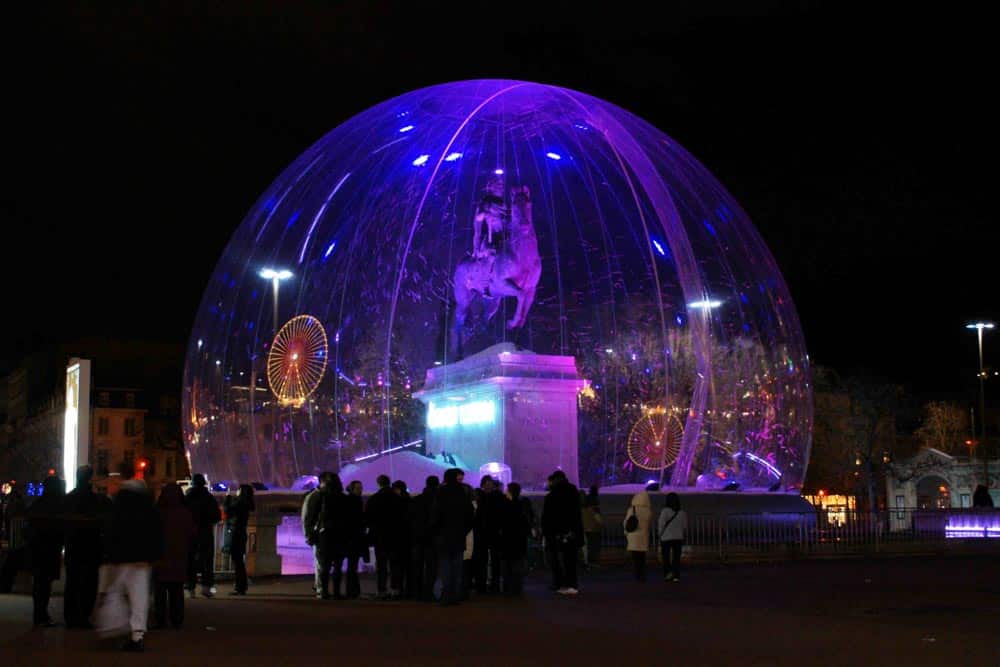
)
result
[(263, 559), (509, 406)]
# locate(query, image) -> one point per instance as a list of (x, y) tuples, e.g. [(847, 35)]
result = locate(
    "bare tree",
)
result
[(942, 427)]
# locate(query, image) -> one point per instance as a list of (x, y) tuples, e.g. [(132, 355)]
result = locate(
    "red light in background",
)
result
[(52, 472)]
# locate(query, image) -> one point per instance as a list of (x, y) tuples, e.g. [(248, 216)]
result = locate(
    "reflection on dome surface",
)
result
[(454, 218)]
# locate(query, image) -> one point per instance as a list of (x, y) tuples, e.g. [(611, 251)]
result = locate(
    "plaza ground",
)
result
[(894, 611)]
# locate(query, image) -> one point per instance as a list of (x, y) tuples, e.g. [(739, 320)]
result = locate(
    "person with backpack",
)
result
[(637, 520), (205, 512), (671, 527)]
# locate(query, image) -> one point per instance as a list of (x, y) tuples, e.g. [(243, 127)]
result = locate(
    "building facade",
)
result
[(932, 479)]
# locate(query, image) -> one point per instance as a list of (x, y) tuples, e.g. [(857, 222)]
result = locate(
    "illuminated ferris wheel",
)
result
[(297, 360), (655, 440)]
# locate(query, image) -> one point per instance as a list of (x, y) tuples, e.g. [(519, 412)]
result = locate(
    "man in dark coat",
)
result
[(170, 572), (423, 559), (310, 523), (486, 549), (205, 512), (562, 526), (133, 542), (514, 532), (452, 518), (85, 513), (45, 533), (357, 541), (384, 516), (335, 526)]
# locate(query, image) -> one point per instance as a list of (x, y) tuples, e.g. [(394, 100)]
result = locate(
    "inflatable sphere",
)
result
[(454, 218)]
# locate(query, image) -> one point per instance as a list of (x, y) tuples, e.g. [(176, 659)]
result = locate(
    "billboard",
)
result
[(76, 431)]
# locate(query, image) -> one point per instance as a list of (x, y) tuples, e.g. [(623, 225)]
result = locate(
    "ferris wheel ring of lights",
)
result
[(297, 360), (655, 440)]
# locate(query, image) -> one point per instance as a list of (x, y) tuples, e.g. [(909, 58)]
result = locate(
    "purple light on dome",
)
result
[(498, 172)]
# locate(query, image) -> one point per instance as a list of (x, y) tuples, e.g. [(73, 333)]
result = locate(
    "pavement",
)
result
[(900, 611)]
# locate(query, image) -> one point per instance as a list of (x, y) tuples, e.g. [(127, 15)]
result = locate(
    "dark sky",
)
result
[(863, 146)]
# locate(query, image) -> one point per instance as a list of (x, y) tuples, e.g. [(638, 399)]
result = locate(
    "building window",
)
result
[(900, 503), (964, 500), (102, 426), (102, 462), (169, 467), (130, 400), (151, 467), (130, 426), (129, 457)]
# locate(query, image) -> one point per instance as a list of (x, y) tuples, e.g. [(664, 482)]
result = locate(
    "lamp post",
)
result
[(275, 276), (979, 327)]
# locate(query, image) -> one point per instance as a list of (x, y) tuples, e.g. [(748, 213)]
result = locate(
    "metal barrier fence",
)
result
[(735, 536)]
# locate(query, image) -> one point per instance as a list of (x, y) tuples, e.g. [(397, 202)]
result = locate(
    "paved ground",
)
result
[(912, 611)]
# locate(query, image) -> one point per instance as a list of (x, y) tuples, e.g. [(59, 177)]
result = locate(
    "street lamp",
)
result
[(275, 276), (979, 327)]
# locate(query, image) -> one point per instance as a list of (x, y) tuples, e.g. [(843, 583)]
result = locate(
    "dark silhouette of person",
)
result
[(486, 558), (310, 523), (335, 528), (238, 509), (515, 528), (562, 527), (170, 572), (384, 516), (399, 560), (357, 541), (205, 512), (981, 497), (423, 555), (85, 515), (45, 533), (452, 518)]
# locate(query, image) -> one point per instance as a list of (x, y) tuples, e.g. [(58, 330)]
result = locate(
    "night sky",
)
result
[(862, 146)]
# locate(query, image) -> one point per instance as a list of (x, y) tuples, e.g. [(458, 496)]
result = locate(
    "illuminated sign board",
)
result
[(76, 425), (463, 414)]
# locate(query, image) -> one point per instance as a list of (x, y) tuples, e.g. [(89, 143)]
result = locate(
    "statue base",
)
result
[(506, 407)]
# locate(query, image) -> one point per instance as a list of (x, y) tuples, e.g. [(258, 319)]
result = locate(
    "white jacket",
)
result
[(638, 540), (676, 528)]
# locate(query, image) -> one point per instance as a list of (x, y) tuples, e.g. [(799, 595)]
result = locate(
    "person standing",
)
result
[(562, 527), (310, 524), (671, 527), (357, 543), (486, 550), (238, 511), (85, 513), (382, 514), (333, 536), (45, 533), (592, 522), (450, 522), (134, 541), (400, 564), (205, 512), (514, 533), (637, 540), (170, 571), (423, 560)]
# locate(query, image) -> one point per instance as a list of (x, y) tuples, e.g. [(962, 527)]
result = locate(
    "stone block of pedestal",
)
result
[(263, 559), (508, 406)]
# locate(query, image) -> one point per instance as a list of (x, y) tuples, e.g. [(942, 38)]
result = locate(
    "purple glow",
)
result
[(387, 451), (329, 250), (981, 525), (421, 161)]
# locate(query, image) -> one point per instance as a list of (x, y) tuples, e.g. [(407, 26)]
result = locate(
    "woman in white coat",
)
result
[(637, 541)]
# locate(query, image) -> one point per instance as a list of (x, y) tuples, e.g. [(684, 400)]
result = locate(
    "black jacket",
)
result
[(419, 518), (561, 516), (134, 533), (515, 530), (86, 513), (452, 518), (238, 509), (45, 532), (385, 516), (204, 508), (489, 518)]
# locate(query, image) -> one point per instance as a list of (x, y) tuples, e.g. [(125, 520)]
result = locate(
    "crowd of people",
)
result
[(441, 545), (119, 550)]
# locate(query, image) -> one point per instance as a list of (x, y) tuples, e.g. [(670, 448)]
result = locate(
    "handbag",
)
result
[(632, 522)]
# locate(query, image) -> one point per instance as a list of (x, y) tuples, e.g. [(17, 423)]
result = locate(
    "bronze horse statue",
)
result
[(513, 270)]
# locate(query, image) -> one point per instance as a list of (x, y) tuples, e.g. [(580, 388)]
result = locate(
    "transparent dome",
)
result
[(456, 217)]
